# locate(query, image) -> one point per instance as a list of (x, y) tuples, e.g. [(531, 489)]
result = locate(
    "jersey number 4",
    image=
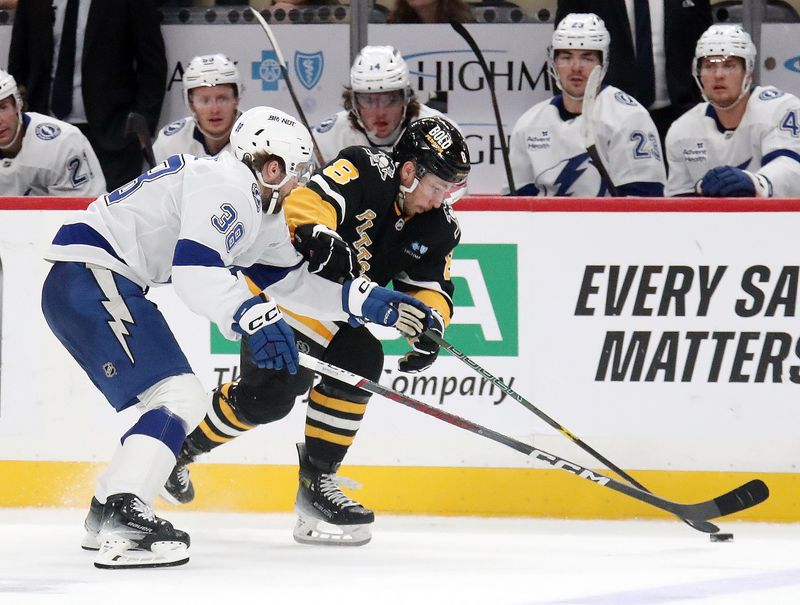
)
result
[(790, 123)]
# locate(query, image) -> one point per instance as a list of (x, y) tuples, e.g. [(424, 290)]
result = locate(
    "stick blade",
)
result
[(589, 96), (743, 497)]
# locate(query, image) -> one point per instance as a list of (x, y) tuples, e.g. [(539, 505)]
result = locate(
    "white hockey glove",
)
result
[(425, 350), (270, 340), (367, 301)]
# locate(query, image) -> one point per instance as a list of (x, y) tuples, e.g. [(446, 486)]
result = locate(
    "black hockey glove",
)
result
[(424, 351), (328, 255)]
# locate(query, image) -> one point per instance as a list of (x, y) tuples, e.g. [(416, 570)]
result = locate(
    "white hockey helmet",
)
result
[(379, 69), (8, 88), (271, 131), (210, 70), (582, 31), (726, 40)]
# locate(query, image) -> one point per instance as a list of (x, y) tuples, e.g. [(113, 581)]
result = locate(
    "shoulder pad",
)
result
[(326, 124), (176, 126), (47, 131)]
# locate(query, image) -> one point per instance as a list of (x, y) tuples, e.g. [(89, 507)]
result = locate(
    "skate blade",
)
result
[(122, 554), (315, 531)]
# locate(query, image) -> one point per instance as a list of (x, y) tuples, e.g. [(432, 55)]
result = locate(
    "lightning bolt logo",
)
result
[(115, 306)]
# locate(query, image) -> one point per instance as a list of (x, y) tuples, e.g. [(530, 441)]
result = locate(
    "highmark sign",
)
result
[(485, 320)]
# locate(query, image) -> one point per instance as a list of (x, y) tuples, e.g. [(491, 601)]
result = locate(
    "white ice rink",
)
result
[(252, 559)]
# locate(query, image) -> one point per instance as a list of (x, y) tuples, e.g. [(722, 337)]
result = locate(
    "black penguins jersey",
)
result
[(357, 195)]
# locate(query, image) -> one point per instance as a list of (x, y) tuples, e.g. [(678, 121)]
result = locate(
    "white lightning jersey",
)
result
[(335, 133), (181, 136), (548, 156), (188, 221), (767, 142), (55, 159)]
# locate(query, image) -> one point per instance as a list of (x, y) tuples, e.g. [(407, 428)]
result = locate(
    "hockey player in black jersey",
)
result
[(364, 213)]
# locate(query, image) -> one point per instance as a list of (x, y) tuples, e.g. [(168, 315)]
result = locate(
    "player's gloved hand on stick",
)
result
[(270, 340), (367, 301), (425, 351), (729, 181), (328, 255)]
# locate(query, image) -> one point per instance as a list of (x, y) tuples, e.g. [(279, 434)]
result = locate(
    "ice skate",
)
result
[(131, 536), (325, 514), (178, 488)]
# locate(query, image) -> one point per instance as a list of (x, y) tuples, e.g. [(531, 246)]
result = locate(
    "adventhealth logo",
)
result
[(486, 312)]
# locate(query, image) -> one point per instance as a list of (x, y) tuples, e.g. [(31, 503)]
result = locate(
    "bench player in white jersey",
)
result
[(40, 155), (188, 222), (546, 150), (378, 105), (211, 90), (744, 141)]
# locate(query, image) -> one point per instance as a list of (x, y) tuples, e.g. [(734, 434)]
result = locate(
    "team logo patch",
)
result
[(257, 197), (308, 67), (382, 162), (326, 124), (302, 347), (625, 99), (176, 126), (47, 131), (770, 93), (109, 369)]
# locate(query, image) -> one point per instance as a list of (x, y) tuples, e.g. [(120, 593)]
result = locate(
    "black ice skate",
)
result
[(325, 514), (92, 525), (131, 535), (178, 488)]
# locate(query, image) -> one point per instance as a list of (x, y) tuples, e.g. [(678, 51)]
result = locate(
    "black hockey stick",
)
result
[(462, 31), (743, 497), (703, 526), (285, 72), (137, 125), (587, 129)]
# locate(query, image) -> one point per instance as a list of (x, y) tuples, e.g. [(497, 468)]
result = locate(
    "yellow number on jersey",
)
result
[(448, 262), (341, 172)]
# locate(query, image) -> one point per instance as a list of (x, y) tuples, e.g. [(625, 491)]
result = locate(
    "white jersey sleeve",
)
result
[(55, 159), (521, 165), (766, 142), (181, 136)]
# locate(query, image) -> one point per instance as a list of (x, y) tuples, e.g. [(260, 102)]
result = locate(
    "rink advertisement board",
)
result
[(664, 333)]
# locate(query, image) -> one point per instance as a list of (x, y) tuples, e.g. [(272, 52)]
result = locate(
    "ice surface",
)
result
[(238, 558)]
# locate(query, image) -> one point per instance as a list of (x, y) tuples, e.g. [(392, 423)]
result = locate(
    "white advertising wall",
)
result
[(439, 61), (667, 340)]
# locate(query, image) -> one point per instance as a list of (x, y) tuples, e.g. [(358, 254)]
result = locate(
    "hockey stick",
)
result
[(587, 128), (698, 525), (136, 124), (462, 31), (285, 72), (743, 497)]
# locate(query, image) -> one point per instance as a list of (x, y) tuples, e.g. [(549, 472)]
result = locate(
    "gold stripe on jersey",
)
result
[(326, 332), (303, 206), (436, 301)]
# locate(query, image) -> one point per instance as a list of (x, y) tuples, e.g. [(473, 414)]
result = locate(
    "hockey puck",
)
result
[(721, 537)]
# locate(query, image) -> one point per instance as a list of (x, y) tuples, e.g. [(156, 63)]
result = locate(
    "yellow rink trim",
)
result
[(414, 490)]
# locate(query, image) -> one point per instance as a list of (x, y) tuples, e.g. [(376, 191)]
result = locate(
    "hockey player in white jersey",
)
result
[(212, 89), (378, 105), (40, 155), (546, 150), (744, 141), (187, 221)]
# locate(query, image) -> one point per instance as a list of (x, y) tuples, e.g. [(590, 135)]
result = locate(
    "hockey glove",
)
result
[(728, 181), (328, 255), (424, 351), (270, 340), (366, 301)]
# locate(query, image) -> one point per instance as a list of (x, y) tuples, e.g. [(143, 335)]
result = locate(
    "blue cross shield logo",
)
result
[(308, 67), (268, 70)]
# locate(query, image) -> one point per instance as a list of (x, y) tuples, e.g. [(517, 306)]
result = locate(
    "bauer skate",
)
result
[(131, 535), (325, 515)]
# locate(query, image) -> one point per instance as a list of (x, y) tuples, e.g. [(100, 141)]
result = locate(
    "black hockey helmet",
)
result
[(436, 146)]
